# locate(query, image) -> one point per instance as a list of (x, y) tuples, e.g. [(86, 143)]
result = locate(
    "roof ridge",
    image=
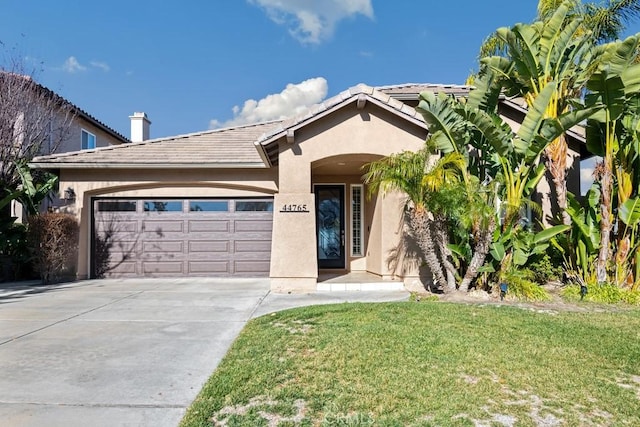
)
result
[(209, 131)]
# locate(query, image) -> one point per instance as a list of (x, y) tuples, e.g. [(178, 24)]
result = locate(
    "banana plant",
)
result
[(615, 86)]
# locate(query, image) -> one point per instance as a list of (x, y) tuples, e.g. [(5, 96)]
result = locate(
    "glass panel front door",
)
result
[(330, 225)]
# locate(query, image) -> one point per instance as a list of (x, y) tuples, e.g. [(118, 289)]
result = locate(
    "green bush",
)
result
[(545, 270), (14, 250), (522, 286), (607, 294), (53, 238)]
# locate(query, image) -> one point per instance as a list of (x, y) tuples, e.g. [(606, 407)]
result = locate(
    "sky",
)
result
[(196, 65)]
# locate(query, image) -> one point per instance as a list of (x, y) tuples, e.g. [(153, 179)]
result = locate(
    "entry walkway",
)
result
[(129, 352)]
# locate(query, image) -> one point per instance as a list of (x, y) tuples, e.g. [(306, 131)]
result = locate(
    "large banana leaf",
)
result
[(533, 120), (445, 124), (548, 233), (629, 212)]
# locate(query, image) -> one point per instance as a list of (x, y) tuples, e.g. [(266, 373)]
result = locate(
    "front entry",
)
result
[(330, 226)]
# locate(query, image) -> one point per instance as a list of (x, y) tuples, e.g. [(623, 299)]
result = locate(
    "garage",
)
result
[(156, 237)]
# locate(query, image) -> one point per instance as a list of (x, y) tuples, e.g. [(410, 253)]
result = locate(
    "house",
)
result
[(36, 119), (283, 199)]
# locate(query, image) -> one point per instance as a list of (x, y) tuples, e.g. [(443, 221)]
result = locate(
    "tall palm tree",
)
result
[(607, 20)]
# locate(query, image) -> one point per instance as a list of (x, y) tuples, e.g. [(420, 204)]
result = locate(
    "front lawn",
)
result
[(427, 364)]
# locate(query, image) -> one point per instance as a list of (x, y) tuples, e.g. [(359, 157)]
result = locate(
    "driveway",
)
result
[(125, 352)]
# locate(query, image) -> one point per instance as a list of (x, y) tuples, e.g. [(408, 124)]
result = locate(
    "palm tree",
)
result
[(415, 174), (606, 21)]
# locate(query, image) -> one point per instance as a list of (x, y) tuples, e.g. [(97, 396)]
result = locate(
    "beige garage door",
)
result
[(185, 237)]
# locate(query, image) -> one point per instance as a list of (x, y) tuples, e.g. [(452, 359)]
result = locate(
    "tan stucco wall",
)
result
[(346, 134), (157, 183), (73, 141)]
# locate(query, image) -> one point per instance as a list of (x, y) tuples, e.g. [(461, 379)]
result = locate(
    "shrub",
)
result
[(607, 294), (14, 250), (523, 286), (53, 238), (545, 271)]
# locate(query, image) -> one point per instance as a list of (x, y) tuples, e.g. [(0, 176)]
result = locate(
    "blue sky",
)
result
[(191, 65)]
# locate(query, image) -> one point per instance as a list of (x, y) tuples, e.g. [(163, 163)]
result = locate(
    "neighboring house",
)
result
[(282, 199), (52, 123)]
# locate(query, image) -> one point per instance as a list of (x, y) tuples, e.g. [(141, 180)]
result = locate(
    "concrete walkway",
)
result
[(125, 352)]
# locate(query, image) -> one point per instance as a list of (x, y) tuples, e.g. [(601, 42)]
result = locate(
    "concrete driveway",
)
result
[(125, 352)]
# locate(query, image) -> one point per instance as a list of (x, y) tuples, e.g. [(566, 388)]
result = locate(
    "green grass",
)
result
[(427, 364)]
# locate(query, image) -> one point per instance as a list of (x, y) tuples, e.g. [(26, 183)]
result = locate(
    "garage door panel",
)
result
[(125, 268), (161, 227), (163, 267), (251, 267), (209, 226), (165, 246), (116, 226), (252, 246), (211, 267), (207, 246), (197, 243), (253, 225), (123, 247)]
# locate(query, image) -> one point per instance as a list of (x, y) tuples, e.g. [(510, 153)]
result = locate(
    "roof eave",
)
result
[(64, 165)]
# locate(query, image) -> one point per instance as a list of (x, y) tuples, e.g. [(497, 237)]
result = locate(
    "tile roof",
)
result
[(410, 91), (343, 98), (228, 147)]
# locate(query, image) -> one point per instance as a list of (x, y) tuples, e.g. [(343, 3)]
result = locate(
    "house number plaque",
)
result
[(294, 208)]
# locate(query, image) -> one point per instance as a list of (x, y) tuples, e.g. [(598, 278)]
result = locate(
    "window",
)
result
[(356, 220), (208, 206), (117, 206), (88, 140), (162, 206), (254, 206)]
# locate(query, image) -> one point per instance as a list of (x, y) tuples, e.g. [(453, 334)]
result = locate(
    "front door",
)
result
[(330, 225)]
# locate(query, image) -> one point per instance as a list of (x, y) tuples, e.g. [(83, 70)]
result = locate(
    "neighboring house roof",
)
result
[(77, 111), (228, 147), (411, 91)]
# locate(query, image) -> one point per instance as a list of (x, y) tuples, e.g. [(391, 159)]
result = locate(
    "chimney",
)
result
[(139, 127)]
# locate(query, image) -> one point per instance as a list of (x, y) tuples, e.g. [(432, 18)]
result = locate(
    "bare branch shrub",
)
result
[(33, 119), (53, 237)]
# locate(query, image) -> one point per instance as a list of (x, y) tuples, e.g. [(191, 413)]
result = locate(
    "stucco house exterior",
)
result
[(283, 199), (39, 117)]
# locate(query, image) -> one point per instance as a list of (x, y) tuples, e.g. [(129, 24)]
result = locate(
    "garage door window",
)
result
[(162, 206), (254, 206), (117, 206), (208, 206)]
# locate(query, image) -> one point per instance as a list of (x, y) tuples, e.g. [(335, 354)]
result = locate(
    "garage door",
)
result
[(181, 237)]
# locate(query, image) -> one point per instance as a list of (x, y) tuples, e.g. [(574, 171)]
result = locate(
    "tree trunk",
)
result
[(421, 227), (605, 223), (440, 226), (557, 166), (480, 251)]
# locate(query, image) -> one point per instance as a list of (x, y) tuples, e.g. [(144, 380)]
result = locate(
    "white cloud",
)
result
[(101, 65), (71, 65), (313, 21), (293, 100)]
